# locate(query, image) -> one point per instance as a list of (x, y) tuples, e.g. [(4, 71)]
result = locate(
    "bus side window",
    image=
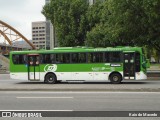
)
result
[(47, 58), (96, 57), (25, 59), (41, 58), (53, 57), (82, 57), (78, 57), (15, 59), (106, 57), (114, 57), (66, 58), (59, 58), (19, 59), (99, 57), (90, 58), (74, 57)]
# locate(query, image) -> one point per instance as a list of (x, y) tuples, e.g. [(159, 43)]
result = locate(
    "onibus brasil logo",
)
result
[(50, 68)]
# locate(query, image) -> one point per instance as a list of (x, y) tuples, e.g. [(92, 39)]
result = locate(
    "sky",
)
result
[(21, 13)]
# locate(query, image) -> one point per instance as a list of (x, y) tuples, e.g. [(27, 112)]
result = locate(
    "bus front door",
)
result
[(33, 67), (129, 66)]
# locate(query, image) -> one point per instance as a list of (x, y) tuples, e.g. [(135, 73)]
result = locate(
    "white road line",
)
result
[(33, 110), (44, 97)]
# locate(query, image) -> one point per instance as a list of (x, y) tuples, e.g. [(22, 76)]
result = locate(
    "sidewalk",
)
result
[(154, 67), (153, 72)]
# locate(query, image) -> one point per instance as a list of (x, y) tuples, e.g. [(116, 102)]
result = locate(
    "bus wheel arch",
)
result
[(50, 78), (115, 77)]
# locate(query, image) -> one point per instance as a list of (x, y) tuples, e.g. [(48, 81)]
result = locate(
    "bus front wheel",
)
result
[(115, 78), (50, 78)]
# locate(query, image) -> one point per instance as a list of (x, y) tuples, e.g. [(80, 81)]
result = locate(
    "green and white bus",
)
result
[(79, 64)]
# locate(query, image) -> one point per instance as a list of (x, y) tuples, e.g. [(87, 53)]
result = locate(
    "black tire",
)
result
[(50, 78), (115, 78)]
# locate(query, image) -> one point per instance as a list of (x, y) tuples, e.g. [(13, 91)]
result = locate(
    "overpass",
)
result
[(5, 49), (9, 39)]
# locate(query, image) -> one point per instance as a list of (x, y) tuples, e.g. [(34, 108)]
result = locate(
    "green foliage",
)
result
[(97, 34), (108, 23), (68, 17), (152, 15), (135, 22), (124, 22)]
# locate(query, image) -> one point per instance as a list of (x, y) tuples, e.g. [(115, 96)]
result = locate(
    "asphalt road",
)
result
[(79, 101), (128, 96)]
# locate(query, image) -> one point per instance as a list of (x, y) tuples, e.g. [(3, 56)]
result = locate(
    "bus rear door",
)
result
[(33, 67), (129, 65)]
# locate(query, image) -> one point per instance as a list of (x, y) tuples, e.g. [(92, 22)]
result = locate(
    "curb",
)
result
[(86, 90), (4, 72)]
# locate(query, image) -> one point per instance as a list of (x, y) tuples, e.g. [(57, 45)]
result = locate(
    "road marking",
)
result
[(44, 97)]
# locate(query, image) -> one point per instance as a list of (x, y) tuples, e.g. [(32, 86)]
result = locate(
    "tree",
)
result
[(151, 22), (126, 22), (108, 23), (135, 22), (97, 17), (68, 18)]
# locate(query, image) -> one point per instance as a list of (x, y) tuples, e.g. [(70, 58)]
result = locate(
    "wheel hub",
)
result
[(115, 78)]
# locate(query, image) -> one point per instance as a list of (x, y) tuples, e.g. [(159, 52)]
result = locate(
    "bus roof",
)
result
[(79, 49)]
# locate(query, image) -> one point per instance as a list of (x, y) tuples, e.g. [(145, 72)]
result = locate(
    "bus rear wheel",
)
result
[(50, 78), (115, 78)]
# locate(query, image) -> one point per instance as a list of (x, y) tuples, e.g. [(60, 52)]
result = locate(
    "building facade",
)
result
[(22, 44), (41, 34), (47, 1)]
